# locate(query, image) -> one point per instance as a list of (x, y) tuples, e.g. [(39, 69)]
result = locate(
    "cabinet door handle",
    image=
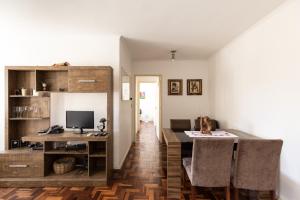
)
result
[(87, 81), (18, 166)]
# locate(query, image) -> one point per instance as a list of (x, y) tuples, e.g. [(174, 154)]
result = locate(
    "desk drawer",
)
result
[(88, 80), (21, 165)]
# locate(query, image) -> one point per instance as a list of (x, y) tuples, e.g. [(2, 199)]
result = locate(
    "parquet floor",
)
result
[(142, 177)]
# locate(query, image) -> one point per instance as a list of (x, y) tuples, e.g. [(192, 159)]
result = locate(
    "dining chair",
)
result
[(210, 165), (180, 125), (256, 166)]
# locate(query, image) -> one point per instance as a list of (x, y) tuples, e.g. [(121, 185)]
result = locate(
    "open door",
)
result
[(148, 102)]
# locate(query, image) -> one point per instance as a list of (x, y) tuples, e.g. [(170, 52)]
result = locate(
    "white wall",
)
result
[(178, 107), (62, 102), (256, 85), (126, 114)]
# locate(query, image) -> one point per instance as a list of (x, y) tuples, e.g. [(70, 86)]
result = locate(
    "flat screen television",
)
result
[(80, 120)]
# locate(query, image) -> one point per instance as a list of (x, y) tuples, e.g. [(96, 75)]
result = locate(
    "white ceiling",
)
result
[(196, 28)]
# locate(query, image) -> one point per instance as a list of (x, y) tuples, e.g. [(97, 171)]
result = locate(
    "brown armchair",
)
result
[(210, 165), (257, 165)]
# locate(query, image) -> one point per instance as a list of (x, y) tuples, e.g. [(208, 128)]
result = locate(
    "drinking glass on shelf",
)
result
[(14, 112), (18, 111), (22, 109), (26, 109), (30, 110)]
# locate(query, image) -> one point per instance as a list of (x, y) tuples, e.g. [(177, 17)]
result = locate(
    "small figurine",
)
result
[(101, 127), (44, 85), (61, 64)]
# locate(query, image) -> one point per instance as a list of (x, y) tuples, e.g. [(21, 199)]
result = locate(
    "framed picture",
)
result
[(194, 87), (142, 95), (175, 87)]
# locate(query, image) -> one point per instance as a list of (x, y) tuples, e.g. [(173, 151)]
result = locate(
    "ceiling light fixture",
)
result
[(173, 53)]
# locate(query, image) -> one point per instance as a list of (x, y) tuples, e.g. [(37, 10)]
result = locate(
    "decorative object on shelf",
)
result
[(44, 85), (64, 64), (194, 87), (175, 87), (36, 146), (15, 143), (64, 165), (101, 127), (35, 93), (18, 92), (61, 89), (24, 91), (206, 125)]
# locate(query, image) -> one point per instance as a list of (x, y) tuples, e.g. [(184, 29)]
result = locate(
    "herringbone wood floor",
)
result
[(142, 177)]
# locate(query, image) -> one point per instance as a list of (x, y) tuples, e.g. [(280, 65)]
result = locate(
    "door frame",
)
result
[(160, 103)]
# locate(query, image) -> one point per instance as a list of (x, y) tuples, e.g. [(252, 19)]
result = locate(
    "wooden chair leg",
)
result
[(227, 191), (273, 194), (194, 192), (236, 194)]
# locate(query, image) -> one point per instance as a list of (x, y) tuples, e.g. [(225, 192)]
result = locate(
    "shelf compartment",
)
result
[(63, 147), (77, 172), (57, 81), (40, 108), (97, 167), (18, 79), (21, 128), (97, 148)]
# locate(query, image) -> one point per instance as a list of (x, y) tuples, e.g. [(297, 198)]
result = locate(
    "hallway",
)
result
[(142, 177)]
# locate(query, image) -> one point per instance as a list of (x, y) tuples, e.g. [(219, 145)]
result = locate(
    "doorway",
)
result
[(148, 103)]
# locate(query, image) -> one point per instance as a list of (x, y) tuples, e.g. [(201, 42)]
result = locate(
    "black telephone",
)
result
[(52, 130)]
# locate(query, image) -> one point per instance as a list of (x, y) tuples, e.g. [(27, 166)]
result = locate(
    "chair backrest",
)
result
[(211, 162), (257, 164), (179, 125)]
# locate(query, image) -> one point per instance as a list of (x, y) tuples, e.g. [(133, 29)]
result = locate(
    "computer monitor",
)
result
[(80, 119)]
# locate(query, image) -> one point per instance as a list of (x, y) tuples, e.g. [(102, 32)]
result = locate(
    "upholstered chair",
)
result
[(210, 165), (256, 165), (180, 125)]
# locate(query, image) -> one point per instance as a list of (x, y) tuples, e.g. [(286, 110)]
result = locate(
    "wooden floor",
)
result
[(142, 177)]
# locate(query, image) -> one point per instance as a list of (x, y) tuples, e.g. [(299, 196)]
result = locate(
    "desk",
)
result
[(174, 142)]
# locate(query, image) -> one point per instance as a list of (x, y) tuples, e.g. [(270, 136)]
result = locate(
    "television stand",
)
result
[(36, 165)]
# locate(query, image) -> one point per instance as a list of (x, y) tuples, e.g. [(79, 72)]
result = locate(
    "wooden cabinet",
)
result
[(88, 80), (26, 114), (20, 165)]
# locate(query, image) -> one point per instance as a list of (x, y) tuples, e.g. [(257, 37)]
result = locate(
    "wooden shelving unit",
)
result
[(34, 167)]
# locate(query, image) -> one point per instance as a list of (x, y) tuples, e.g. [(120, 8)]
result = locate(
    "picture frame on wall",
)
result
[(194, 87), (174, 86)]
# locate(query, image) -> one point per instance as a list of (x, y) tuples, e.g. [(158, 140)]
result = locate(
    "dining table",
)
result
[(178, 145)]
